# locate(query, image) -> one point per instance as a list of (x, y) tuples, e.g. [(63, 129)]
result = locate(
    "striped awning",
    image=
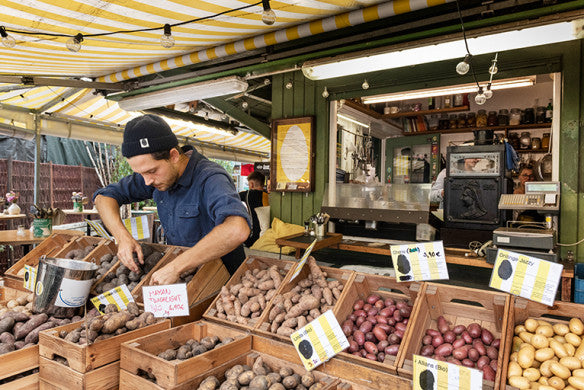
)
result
[(124, 55)]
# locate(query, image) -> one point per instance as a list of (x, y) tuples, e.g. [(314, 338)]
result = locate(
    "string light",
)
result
[(488, 92), (480, 98), (74, 43), (7, 40), (167, 40), (463, 66), (288, 85), (268, 16), (325, 93), (365, 84)]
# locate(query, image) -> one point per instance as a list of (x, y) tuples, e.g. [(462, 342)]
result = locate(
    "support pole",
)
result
[(37, 158)]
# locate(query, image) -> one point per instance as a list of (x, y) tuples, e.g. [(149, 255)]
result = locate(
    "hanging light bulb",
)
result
[(7, 40), (493, 68), (74, 43), (480, 98), (365, 84), (325, 93), (268, 16), (488, 92), (463, 66), (167, 40), (289, 85), (244, 105)]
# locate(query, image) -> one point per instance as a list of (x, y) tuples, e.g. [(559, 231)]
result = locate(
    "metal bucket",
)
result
[(62, 286)]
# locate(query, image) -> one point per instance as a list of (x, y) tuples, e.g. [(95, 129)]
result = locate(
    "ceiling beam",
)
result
[(240, 116), (56, 82), (188, 117)]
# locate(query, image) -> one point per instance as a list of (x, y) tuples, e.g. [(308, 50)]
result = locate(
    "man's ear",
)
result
[(174, 156)]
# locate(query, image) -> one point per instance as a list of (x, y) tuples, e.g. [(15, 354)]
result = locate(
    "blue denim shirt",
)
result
[(201, 199)]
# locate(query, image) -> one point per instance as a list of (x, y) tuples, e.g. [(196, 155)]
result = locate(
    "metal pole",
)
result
[(37, 158)]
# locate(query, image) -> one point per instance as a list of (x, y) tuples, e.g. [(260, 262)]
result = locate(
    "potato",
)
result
[(520, 328), (576, 326), (290, 382), (210, 383), (577, 382), (307, 379), (531, 325), (556, 383), (578, 372), (525, 357), (277, 386), (260, 382), (514, 369), (245, 377), (571, 362), (560, 370), (532, 374), (541, 355), (285, 371), (520, 382), (545, 330), (561, 329), (558, 348), (526, 336), (573, 339), (539, 341)]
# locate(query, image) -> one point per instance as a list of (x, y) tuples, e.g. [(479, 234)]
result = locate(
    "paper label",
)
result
[(302, 261), (119, 296), (416, 262), (73, 293), (30, 274), (435, 374), (319, 341), (169, 300), (526, 276)]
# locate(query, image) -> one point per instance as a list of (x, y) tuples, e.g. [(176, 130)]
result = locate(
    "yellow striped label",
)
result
[(119, 296), (30, 274), (542, 273), (315, 342), (519, 276), (432, 263), (463, 378), (328, 331)]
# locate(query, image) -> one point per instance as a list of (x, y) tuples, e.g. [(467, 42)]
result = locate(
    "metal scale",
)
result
[(531, 238)]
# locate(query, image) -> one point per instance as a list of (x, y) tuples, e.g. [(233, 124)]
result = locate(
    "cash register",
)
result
[(532, 239)]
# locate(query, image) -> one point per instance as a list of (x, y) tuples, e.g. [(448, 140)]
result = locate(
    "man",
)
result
[(525, 174), (197, 202), (254, 197)]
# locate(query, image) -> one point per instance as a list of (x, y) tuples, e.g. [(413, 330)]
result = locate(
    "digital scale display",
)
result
[(542, 187)]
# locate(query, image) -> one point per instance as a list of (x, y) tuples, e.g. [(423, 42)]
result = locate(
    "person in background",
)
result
[(197, 202), (525, 174), (254, 197), (437, 189)]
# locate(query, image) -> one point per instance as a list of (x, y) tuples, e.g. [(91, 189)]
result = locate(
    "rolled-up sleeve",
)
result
[(220, 198), (130, 189)]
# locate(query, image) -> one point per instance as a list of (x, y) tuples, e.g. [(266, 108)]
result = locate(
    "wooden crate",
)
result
[(360, 377), (250, 263), (520, 310), (80, 243), (386, 287), (130, 381), (344, 276), (196, 311), (460, 306), (85, 358), (28, 382), (141, 354), (14, 276), (54, 375), (209, 278)]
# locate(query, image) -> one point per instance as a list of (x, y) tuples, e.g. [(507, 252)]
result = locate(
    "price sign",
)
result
[(169, 300), (423, 261), (319, 341), (119, 296), (435, 374), (526, 276), (302, 260), (30, 274)]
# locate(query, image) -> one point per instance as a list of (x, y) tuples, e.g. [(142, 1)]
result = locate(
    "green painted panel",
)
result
[(308, 204), (277, 105)]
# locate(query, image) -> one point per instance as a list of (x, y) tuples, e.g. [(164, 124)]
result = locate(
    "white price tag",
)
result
[(169, 300), (119, 296), (302, 261), (416, 262), (435, 374)]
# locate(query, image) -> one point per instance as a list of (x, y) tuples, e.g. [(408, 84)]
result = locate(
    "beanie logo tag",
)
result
[(144, 143)]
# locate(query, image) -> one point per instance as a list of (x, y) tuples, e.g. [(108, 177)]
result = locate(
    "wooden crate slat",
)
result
[(62, 377), (29, 382)]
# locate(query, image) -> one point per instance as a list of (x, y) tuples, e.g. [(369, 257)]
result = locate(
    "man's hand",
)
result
[(126, 249), (165, 275)]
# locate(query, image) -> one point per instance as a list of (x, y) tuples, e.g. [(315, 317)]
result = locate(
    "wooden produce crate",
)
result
[(209, 278), (386, 287), (85, 358), (54, 375), (196, 311), (141, 354), (81, 243), (28, 382), (460, 306), (14, 276), (250, 263), (130, 381), (358, 376), (344, 276), (521, 309)]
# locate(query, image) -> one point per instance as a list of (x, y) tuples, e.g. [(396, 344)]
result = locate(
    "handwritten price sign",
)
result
[(416, 262), (166, 301)]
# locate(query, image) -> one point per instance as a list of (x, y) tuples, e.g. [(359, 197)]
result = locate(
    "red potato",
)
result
[(444, 350), (371, 319), (405, 311), (397, 316), (496, 343), (473, 354), (381, 319), (399, 333), (360, 313), (358, 305), (392, 350), (457, 343), (427, 340), (492, 352), (386, 328), (487, 336), (443, 325), (347, 329), (369, 336), (400, 326), (353, 346), (427, 350), (371, 348), (367, 306), (437, 341), (372, 312), (483, 361), (466, 337), (371, 356), (379, 305), (359, 337), (493, 364), (382, 345), (389, 302), (488, 373), (449, 337), (393, 339), (432, 332), (371, 299), (366, 326), (460, 353), (360, 320), (468, 363), (454, 361), (386, 312), (381, 357), (458, 329), (379, 333), (474, 330), (479, 346)]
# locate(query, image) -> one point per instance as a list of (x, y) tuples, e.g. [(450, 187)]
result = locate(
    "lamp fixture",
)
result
[(488, 92), (325, 93), (372, 60), (289, 85), (464, 65), (74, 43), (268, 16), (184, 93), (167, 40), (480, 97), (365, 84), (442, 91), (7, 40), (349, 119)]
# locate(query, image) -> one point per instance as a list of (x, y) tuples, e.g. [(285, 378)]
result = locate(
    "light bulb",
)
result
[(244, 105), (493, 68), (365, 84), (268, 16), (7, 40), (480, 98), (289, 85), (325, 93), (488, 92), (74, 43), (463, 66), (167, 40)]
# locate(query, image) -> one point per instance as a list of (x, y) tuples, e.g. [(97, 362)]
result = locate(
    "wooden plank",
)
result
[(196, 311), (55, 375), (80, 243), (84, 358), (29, 382), (142, 354)]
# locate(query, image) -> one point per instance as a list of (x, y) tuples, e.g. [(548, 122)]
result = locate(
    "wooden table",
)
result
[(87, 212), (300, 241), (8, 217)]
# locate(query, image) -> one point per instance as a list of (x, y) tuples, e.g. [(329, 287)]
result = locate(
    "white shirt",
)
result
[(437, 188)]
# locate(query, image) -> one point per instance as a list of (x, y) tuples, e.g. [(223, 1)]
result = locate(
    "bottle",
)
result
[(431, 103), (447, 101), (549, 112), (457, 100)]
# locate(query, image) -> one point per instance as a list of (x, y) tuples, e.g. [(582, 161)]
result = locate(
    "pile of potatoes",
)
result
[(193, 348), (310, 298), (22, 304), (80, 254), (248, 298), (261, 377), (547, 356), (123, 275), (112, 323)]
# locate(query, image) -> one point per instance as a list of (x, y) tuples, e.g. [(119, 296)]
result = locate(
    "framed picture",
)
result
[(292, 161)]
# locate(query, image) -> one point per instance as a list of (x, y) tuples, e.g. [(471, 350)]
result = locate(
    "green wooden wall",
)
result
[(303, 99)]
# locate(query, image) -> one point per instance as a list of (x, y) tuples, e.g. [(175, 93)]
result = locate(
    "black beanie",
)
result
[(147, 134)]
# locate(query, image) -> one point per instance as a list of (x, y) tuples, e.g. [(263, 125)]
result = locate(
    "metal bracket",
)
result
[(27, 80)]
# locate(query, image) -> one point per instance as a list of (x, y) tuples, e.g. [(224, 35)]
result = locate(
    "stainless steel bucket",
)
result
[(62, 286)]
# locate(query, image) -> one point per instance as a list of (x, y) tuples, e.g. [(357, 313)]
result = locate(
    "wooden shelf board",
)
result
[(495, 128), (425, 112)]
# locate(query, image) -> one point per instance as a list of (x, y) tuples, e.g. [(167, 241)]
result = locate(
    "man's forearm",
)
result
[(109, 212)]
